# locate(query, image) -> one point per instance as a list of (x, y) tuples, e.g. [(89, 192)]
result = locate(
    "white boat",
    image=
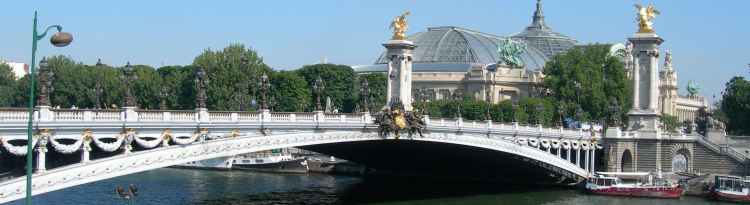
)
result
[(277, 160), (223, 163)]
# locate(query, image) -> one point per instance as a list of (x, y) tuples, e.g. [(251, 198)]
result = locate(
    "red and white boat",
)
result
[(731, 188), (611, 184)]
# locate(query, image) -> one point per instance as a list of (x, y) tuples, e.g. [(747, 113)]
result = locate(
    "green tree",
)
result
[(177, 81), (7, 86), (72, 83), (735, 105), (599, 76), (228, 68), (290, 92), (147, 88), (339, 83), (671, 123)]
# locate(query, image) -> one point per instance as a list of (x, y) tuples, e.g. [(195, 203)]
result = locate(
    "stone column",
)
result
[(593, 160), (578, 157), (41, 159), (399, 53), (85, 151), (586, 156)]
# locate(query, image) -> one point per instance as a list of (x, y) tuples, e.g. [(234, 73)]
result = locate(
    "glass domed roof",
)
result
[(458, 45), (543, 37)]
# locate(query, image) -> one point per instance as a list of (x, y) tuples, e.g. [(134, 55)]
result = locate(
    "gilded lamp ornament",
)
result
[(646, 16), (399, 26)]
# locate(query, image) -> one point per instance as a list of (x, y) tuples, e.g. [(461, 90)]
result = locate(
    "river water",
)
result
[(180, 186)]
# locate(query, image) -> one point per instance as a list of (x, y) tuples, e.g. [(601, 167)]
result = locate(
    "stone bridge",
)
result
[(74, 147)]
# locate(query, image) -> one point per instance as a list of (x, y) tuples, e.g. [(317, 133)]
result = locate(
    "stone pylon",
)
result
[(644, 115), (399, 72)]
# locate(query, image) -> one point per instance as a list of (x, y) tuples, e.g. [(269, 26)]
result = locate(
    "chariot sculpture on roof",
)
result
[(510, 53)]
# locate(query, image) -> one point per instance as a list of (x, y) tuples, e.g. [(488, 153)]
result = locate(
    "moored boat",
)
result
[(731, 188), (278, 160), (611, 184)]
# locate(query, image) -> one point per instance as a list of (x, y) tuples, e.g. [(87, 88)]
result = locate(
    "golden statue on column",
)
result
[(646, 16), (399, 26)]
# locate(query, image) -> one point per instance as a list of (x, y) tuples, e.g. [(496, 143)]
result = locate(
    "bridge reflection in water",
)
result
[(110, 143)]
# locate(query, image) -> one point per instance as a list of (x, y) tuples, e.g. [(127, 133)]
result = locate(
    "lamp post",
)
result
[(59, 39), (46, 76), (201, 84), (364, 95), (264, 85), (318, 87), (128, 78), (98, 88), (163, 95)]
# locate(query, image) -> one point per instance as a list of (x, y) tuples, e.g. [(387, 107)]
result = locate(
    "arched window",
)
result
[(626, 164), (680, 161)]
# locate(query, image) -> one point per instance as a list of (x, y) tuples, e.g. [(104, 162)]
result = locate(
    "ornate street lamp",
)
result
[(98, 88), (318, 87), (163, 95), (561, 113), (423, 98), (128, 78), (59, 39), (264, 86), (364, 95), (614, 112), (46, 76), (457, 97), (239, 94), (201, 85), (539, 109)]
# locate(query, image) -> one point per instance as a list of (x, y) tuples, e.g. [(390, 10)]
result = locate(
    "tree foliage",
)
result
[(235, 70), (600, 77), (339, 83), (7, 86), (735, 105), (290, 92)]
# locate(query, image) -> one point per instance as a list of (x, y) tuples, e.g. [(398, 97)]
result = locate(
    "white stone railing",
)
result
[(14, 114), (18, 116)]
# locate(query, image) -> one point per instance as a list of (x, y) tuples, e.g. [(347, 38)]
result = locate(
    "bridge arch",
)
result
[(124, 164)]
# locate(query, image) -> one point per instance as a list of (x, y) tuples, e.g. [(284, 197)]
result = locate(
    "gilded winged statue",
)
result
[(399, 26), (646, 16)]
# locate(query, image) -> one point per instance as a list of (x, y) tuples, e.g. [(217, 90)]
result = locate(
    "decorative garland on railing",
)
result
[(575, 145), (148, 144), (17, 150), (533, 142), (555, 144), (585, 146), (545, 143), (109, 147), (67, 149), (565, 144), (185, 140)]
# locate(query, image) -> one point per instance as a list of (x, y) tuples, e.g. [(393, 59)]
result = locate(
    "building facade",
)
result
[(19, 69), (453, 62)]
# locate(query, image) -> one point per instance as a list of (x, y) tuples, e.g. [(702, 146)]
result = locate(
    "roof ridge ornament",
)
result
[(538, 18)]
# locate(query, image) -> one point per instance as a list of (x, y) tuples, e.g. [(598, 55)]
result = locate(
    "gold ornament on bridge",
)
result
[(166, 134), (87, 135), (646, 16), (399, 26)]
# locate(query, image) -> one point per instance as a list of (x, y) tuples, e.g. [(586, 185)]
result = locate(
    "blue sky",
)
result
[(709, 39)]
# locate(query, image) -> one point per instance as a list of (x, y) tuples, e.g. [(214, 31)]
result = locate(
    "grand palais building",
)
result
[(451, 60)]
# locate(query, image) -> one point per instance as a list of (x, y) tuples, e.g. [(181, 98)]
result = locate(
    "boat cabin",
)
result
[(732, 184)]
